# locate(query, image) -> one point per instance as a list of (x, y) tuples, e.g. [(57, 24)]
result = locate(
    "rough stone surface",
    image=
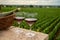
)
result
[(11, 34)]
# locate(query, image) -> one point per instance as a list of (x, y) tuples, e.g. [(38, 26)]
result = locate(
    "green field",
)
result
[(6, 9), (48, 21)]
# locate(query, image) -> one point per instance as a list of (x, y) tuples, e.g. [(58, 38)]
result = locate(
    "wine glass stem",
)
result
[(19, 24), (30, 27)]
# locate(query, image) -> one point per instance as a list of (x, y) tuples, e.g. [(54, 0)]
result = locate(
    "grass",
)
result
[(43, 11), (7, 9)]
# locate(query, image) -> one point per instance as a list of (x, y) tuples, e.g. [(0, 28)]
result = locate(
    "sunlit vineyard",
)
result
[(48, 21)]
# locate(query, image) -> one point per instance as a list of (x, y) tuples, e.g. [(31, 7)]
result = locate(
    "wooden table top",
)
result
[(13, 33)]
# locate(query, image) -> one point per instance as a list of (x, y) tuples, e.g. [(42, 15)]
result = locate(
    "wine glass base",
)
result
[(18, 30), (30, 34)]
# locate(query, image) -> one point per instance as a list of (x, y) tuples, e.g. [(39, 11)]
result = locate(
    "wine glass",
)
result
[(30, 18), (19, 18)]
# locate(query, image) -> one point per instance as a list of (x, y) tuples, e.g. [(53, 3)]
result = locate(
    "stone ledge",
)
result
[(11, 35)]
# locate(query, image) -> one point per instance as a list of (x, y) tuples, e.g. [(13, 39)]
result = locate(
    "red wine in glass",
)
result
[(30, 21), (19, 19)]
